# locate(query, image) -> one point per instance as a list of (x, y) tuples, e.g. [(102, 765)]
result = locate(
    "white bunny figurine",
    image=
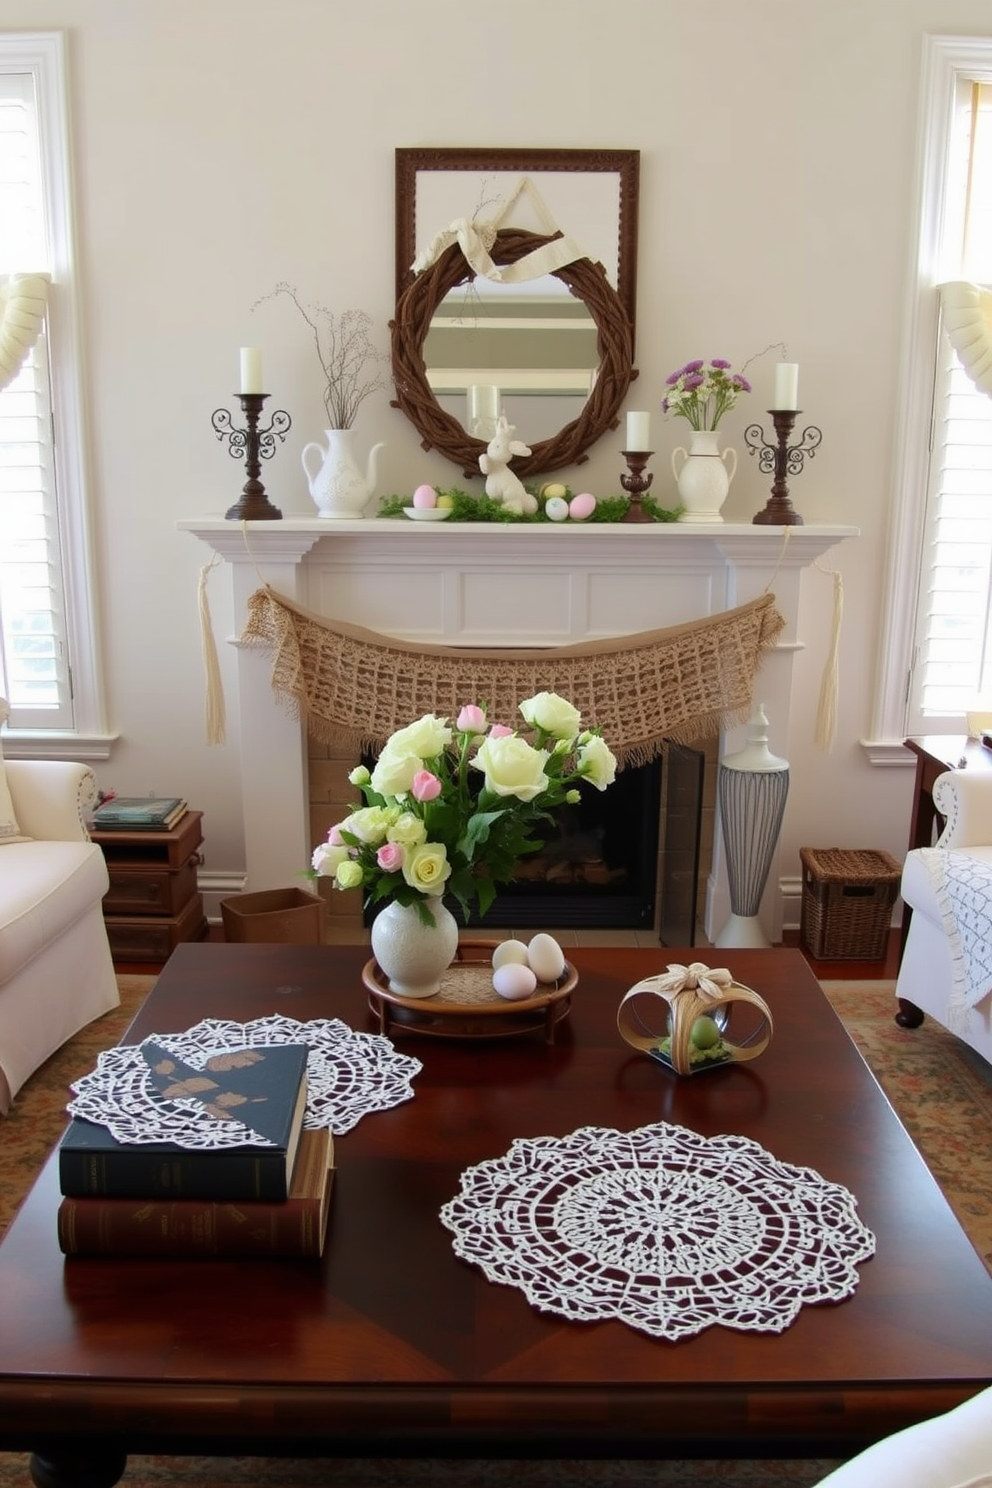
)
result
[(501, 483)]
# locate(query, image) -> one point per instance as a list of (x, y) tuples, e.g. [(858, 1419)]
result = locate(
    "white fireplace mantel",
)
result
[(475, 584)]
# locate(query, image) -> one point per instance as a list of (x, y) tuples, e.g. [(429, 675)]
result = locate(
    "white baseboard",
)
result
[(217, 886)]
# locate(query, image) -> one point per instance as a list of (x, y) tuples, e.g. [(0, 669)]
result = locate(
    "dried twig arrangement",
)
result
[(346, 353)]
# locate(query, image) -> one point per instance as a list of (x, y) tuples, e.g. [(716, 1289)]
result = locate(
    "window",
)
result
[(48, 667), (938, 646)]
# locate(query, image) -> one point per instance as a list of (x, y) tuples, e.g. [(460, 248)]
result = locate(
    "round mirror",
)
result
[(430, 308), (528, 350)]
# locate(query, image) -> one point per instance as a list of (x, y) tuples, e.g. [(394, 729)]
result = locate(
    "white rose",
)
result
[(407, 830), (513, 767), (326, 858), (596, 763), (426, 868), (554, 714), (370, 824), (427, 737), (394, 771)]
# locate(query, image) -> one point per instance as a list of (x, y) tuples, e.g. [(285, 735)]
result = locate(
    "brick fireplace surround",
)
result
[(468, 585)]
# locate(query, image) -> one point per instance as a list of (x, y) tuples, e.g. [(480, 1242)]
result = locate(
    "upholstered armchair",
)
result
[(946, 969)]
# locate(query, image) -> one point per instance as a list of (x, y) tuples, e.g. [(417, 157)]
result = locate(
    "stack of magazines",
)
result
[(138, 814)]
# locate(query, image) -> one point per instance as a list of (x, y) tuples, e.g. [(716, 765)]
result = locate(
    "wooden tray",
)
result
[(468, 1006)]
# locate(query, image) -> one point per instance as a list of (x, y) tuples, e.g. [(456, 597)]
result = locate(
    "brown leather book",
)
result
[(197, 1229)]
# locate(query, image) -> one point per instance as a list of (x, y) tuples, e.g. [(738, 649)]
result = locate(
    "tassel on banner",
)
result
[(215, 710), (826, 712)]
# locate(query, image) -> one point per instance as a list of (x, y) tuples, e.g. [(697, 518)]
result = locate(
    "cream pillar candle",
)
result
[(251, 369), (638, 431), (786, 385)]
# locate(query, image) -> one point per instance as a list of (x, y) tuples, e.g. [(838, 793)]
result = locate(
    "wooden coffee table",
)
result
[(391, 1345)]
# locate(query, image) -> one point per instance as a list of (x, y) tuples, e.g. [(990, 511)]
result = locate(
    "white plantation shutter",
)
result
[(32, 627), (40, 495), (952, 660)]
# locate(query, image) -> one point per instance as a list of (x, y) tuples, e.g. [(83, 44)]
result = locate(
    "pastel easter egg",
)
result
[(425, 497), (582, 506), (557, 508), (553, 488), (509, 951), (545, 958), (514, 982)]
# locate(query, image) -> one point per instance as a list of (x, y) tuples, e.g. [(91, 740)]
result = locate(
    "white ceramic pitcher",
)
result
[(337, 484)]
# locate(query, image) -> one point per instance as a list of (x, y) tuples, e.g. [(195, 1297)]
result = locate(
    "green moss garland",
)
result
[(482, 508)]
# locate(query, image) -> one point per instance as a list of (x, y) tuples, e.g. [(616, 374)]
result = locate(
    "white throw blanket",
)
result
[(962, 886)]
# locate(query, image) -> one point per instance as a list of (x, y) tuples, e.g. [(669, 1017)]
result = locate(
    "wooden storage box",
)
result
[(274, 916), (848, 894)]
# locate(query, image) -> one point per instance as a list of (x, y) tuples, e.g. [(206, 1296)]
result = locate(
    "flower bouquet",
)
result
[(450, 808), (703, 393)]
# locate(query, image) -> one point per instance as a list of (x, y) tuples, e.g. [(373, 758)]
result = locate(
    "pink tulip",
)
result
[(334, 837), (426, 787), (390, 857), (500, 731), (471, 720)]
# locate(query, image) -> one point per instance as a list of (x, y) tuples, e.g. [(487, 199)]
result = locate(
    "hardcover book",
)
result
[(141, 813), (193, 1228), (263, 1087)]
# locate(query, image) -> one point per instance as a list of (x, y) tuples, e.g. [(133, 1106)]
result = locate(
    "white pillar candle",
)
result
[(251, 369), (638, 432), (786, 385), (483, 410)]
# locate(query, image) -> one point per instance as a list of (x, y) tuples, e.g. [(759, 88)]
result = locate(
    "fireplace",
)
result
[(598, 868), (457, 584)]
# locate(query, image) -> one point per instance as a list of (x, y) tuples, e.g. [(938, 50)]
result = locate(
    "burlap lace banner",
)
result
[(678, 684)]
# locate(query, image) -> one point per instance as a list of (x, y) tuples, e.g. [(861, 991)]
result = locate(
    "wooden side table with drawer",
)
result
[(153, 903)]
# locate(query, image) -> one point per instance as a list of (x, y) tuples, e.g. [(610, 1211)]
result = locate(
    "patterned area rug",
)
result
[(941, 1092)]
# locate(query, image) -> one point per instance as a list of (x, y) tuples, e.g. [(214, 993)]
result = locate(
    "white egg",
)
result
[(514, 982), (509, 951), (557, 508), (545, 958)]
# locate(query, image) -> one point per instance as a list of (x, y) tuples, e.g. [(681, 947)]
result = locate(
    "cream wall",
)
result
[(224, 145)]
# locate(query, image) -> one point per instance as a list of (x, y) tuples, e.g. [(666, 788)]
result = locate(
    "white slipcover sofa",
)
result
[(953, 1450), (56, 971), (946, 968)]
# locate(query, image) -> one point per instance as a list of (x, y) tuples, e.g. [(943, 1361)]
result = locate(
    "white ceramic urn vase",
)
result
[(703, 476), (338, 486), (414, 955)]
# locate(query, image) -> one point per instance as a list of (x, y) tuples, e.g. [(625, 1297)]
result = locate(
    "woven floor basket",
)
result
[(848, 894)]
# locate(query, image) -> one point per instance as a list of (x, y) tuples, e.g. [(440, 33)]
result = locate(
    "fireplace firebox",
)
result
[(598, 868)]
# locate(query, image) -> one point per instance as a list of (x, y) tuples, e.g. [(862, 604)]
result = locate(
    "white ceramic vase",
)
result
[(414, 956), (703, 476), (338, 486)]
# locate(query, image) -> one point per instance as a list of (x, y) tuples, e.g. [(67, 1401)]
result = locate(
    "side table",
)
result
[(153, 903)]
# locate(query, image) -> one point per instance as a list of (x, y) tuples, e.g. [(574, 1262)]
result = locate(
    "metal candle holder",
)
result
[(635, 482), (254, 445), (781, 459)]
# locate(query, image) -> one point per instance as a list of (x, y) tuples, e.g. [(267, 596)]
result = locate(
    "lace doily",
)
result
[(349, 1074), (659, 1228)]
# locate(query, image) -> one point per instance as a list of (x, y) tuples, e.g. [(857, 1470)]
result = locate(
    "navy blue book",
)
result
[(264, 1088)]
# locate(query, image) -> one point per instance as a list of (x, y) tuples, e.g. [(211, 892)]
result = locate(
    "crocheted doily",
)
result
[(660, 1228), (349, 1074)]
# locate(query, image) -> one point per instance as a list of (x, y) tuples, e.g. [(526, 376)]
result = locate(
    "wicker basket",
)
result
[(848, 894)]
